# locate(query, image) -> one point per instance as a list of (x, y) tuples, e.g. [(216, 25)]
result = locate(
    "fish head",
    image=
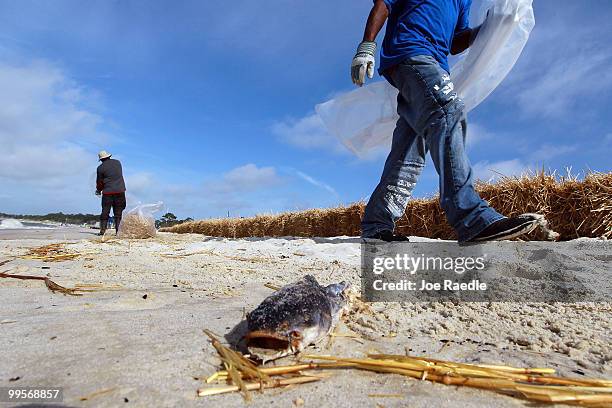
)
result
[(338, 294), (338, 289)]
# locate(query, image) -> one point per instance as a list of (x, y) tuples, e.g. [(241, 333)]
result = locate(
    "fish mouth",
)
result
[(266, 340), (269, 346)]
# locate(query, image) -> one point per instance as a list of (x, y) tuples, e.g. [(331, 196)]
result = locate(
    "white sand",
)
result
[(152, 351)]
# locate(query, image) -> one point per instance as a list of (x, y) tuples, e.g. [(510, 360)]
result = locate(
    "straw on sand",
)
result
[(525, 383), (53, 253), (573, 207), (533, 384), (203, 392), (238, 368), (52, 286)]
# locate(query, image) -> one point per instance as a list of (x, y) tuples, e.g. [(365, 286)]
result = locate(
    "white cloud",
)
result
[(476, 133), (239, 190), (561, 76), (547, 152), (42, 165), (247, 178), (139, 183), (318, 183), (45, 123), (40, 104), (243, 189), (566, 83), (307, 132), (491, 171)]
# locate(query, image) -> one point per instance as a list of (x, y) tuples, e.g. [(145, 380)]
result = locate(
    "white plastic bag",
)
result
[(495, 51), (139, 222), (365, 118)]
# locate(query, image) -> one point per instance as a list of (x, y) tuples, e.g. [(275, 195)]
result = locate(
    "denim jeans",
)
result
[(431, 120)]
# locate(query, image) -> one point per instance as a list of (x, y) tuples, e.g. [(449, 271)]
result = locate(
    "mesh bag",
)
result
[(139, 222)]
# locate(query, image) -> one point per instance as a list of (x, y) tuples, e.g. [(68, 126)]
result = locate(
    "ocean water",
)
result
[(9, 223)]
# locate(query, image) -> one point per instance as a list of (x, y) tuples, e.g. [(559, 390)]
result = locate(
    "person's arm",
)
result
[(99, 181), (464, 40), (376, 20), (464, 35), (364, 60)]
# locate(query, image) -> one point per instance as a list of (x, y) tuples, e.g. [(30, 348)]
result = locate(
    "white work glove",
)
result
[(363, 62)]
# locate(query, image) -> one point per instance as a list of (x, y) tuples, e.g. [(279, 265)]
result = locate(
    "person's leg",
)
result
[(106, 207), (119, 204), (437, 113), (402, 168)]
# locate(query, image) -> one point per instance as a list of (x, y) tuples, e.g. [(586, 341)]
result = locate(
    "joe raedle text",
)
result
[(474, 285)]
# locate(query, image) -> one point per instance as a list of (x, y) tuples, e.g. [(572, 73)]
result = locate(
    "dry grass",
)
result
[(52, 286), (532, 384), (52, 253), (573, 207), (310, 223)]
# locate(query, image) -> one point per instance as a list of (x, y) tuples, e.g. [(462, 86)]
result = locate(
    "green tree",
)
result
[(169, 217), (168, 220)]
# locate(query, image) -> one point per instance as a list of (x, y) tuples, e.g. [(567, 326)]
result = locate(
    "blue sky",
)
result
[(210, 106)]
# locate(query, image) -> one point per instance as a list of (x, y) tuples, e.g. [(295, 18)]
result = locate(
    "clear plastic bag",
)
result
[(139, 222), (365, 118)]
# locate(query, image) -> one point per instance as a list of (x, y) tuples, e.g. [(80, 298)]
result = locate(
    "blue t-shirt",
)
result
[(422, 27)]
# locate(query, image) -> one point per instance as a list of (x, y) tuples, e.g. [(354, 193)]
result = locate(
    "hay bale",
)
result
[(573, 207), (136, 226)]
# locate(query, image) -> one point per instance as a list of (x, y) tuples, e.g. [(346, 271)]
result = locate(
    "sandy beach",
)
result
[(137, 340)]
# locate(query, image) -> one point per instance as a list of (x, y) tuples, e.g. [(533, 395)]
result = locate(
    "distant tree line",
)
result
[(56, 217), (167, 220)]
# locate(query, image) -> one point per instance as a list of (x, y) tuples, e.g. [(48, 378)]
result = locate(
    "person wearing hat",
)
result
[(110, 184)]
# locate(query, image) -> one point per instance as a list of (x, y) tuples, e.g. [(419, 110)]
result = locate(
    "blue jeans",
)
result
[(431, 120)]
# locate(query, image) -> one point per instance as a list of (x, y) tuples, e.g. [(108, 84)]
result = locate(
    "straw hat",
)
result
[(104, 155)]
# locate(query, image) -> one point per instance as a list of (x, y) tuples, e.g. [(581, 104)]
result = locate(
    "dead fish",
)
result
[(294, 317)]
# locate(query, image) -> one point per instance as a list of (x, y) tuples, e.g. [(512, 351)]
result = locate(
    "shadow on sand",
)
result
[(317, 240)]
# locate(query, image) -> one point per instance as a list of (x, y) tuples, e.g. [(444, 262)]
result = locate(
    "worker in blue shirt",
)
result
[(419, 36)]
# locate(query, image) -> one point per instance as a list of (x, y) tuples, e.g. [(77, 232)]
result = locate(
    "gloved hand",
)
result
[(98, 193), (363, 62)]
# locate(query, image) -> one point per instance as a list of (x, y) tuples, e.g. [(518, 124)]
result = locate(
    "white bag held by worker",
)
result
[(365, 118), (139, 222)]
